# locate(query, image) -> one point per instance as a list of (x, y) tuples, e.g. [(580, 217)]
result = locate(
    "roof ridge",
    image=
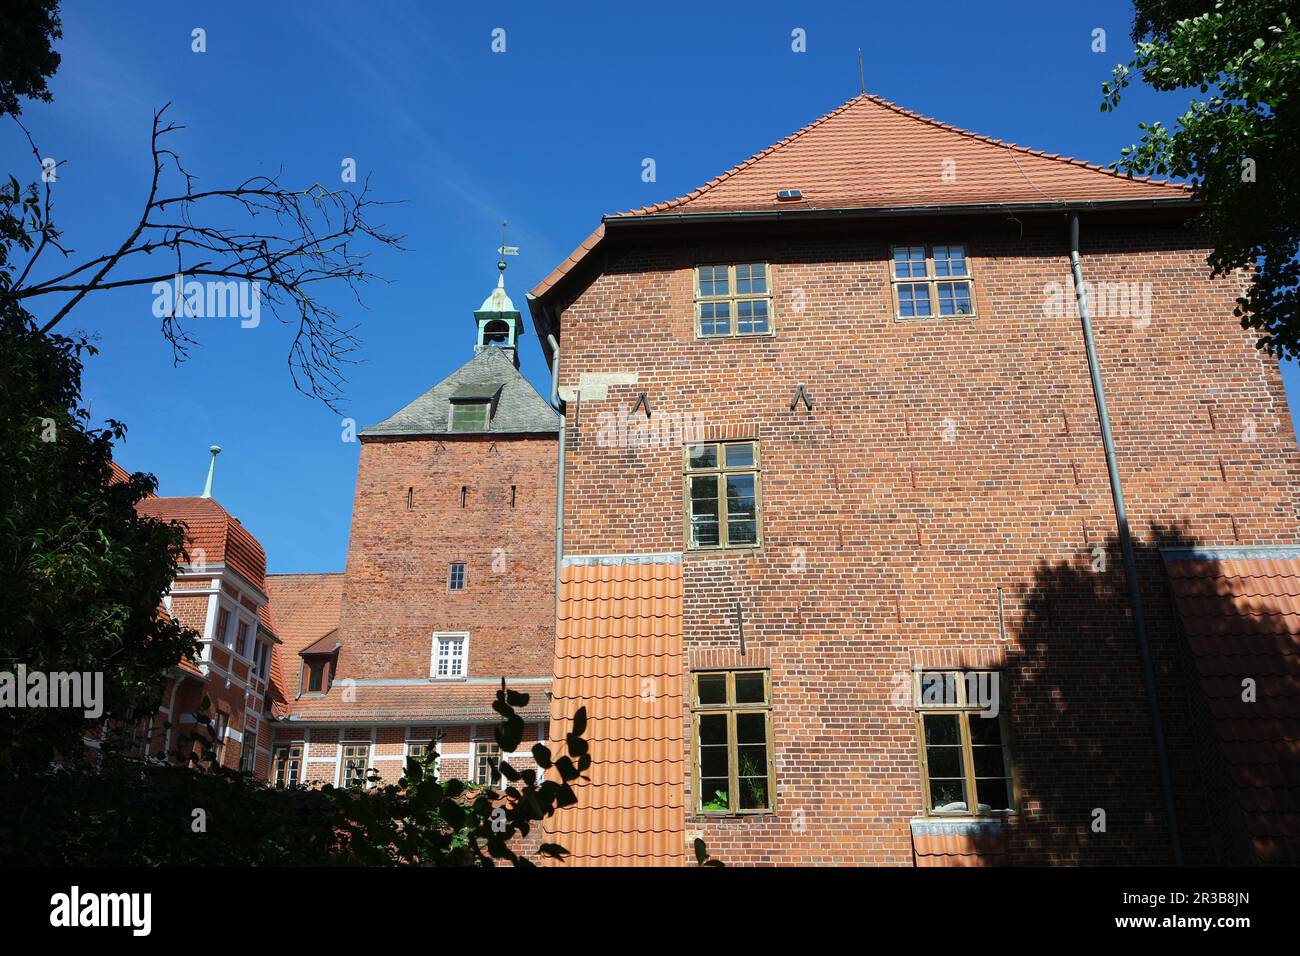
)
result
[(722, 177), (993, 140), (910, 114)]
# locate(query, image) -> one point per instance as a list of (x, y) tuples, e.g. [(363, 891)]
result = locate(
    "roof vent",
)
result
[(788, 195)]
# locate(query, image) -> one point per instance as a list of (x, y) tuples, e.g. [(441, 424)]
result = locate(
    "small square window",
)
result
[(456, 577), (732, 300), (932, 281)]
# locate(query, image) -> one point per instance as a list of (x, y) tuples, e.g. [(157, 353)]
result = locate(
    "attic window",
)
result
[(470, 416), (788, 195)]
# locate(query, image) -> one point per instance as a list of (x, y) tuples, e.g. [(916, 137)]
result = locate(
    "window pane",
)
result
[(715, 318), (950, 261), (944, 761), (751, 316), (750, 689), (712, 688), (941, 729), (739, 456), (993, 794), (948, 795), (751, 776), (713, 281), (703, 456), (742, 523), (914, 300), (988, 762), (909, 261), (753, 793), (704, 510), (315, 677), (751, 279), (713, 794), (751, 729), (713, 761), (985, 730), (954, 298)]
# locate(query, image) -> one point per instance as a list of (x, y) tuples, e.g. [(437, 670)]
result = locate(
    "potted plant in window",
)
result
[(718, 802)]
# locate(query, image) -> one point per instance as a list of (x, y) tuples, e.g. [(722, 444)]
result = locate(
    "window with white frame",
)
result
[(286, 769), (449, 655), (487, 763), (456, 576), (352, 767), (419, 750)]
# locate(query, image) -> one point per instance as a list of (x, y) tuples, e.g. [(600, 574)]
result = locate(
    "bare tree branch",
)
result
[(296, 240)]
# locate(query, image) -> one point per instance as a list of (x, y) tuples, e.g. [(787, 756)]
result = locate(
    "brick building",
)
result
[(449, 585), (842, 575), (220, 592)]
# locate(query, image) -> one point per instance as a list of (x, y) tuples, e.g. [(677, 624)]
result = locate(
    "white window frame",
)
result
[(341, 782), (438, 638)]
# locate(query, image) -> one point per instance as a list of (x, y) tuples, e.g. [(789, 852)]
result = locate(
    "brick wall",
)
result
[(396, 595), (943, 460)]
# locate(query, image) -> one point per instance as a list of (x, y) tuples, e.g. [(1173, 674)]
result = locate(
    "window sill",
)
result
[(732, 338), (932, 319), (702, 815), (710, 552)]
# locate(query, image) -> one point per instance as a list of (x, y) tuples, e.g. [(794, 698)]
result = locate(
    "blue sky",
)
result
[(549, 134)]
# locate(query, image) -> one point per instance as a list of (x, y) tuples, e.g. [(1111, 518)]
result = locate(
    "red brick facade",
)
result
[(942, 460), (396, 593)]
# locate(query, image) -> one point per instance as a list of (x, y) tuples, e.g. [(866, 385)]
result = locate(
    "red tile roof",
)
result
[(618, 652), (1240, 614), (306, 609), (873, 154), (212, 529)]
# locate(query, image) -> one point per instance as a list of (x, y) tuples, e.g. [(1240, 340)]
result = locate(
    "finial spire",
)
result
[(504, 251), (215, 450)]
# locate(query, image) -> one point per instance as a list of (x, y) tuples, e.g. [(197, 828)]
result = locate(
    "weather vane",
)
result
[(505, 250)]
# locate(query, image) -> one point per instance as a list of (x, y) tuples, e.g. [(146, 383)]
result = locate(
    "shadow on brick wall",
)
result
[(1082, 739)]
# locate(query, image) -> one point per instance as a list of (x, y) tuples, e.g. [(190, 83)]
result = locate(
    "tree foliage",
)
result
[(82, 575), (1238, 144), (125, 810), (28, 29)]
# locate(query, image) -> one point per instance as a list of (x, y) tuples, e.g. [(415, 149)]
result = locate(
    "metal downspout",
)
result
[(559, 481), (1126, 546)]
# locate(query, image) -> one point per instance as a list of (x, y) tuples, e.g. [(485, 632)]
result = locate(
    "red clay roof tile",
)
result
[(1240, 617), (618, 652), (871, 154)]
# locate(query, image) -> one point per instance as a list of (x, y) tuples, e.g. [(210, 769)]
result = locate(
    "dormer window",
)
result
[(470, 416), (732, 300), (472, 407)]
